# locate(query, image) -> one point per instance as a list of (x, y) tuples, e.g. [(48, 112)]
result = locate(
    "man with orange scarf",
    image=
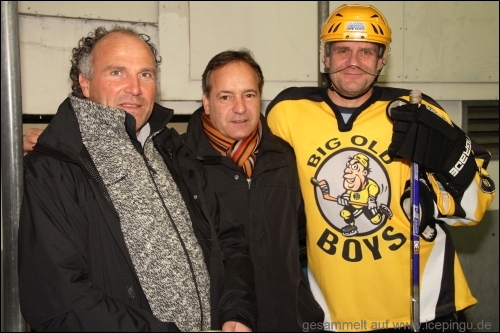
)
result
[(255, 177)]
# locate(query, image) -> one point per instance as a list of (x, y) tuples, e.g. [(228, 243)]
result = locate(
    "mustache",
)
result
[(351, 66)]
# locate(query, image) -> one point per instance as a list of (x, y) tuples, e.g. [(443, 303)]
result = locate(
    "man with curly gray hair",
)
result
[(110, 236), (82, 56)]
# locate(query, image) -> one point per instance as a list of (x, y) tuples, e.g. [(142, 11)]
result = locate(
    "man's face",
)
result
[(353, 66), (124, 76), (234, 100)]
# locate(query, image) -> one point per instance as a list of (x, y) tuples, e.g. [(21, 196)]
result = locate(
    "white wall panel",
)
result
[(280, 34), (441, 41), (129, 11), (448, 50), (451, 41)]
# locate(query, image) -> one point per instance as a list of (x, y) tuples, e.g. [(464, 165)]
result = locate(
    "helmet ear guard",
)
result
[(358, 23)]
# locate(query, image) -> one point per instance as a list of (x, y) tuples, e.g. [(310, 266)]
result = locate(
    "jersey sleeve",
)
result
[(277, 121)]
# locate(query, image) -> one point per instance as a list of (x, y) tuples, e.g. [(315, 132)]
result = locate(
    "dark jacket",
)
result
[(270, 207), (75, 272)]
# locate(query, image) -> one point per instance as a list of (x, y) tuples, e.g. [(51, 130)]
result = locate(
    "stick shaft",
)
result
[(415, 98), (415, 260)]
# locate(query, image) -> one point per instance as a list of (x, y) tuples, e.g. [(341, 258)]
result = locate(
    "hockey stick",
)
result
[(415, 98)]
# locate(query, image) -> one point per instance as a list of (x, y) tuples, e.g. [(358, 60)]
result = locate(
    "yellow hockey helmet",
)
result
[(358, 23)]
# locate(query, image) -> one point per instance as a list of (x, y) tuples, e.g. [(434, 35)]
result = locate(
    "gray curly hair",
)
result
[(81, 61)]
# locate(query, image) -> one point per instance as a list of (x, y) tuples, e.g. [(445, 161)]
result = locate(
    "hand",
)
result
[(343, 199), (422, 135), (29, 139), (234, 326), (372, 203)]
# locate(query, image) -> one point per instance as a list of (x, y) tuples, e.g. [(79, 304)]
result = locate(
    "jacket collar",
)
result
[(63, 132)]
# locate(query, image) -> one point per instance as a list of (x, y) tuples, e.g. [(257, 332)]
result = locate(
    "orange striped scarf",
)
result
[(241, 152)]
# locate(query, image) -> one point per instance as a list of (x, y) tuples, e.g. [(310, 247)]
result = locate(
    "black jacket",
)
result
[(75, 272), (270, 207)]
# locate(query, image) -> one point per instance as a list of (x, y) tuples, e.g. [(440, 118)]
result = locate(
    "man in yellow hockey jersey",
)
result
[(363, 274)]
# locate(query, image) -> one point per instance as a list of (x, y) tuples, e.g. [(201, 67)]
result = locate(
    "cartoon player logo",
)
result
[(359, 197)]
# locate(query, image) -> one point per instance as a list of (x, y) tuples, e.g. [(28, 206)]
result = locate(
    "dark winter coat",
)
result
[(270, 207), (75, 272)]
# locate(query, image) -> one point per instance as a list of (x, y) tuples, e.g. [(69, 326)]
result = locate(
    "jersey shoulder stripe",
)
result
[(296, 93)]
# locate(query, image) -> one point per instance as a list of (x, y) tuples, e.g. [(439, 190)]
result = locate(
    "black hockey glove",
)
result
[(427, 226), (421, 135)]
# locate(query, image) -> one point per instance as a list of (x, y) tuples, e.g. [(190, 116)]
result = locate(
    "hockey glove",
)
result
[(421, 135), (427, 226), (343, 199)]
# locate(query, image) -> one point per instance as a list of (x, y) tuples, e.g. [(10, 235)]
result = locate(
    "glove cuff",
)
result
[(459, 168)]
